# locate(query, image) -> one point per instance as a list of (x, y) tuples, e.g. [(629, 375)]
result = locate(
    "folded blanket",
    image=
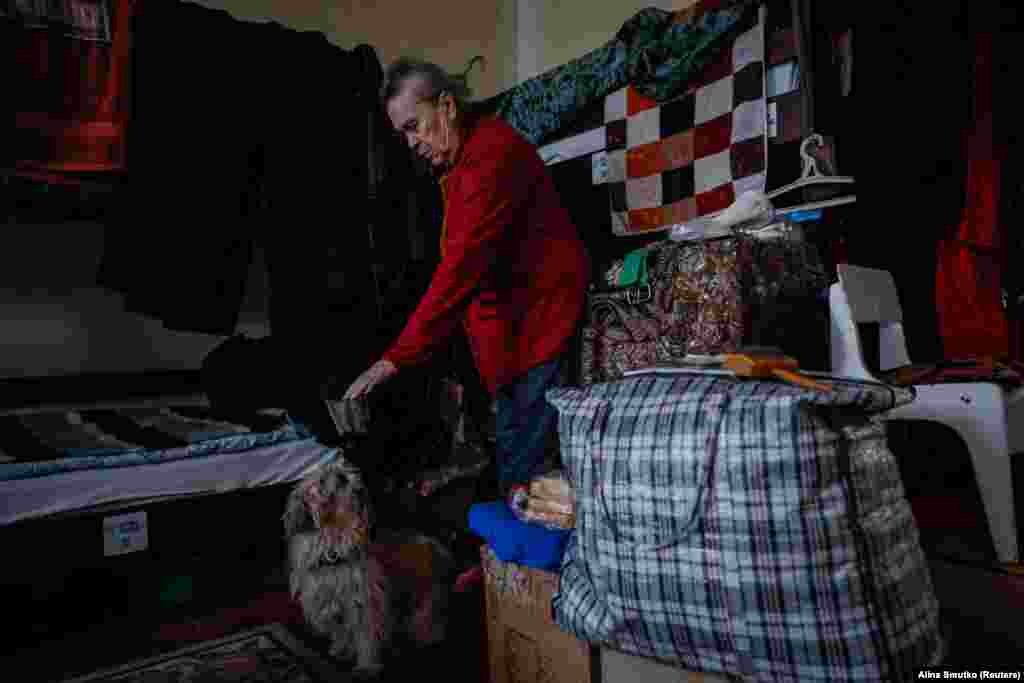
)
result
[(515, 541)]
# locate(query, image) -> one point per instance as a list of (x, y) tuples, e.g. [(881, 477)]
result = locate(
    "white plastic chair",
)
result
[(987, 417)]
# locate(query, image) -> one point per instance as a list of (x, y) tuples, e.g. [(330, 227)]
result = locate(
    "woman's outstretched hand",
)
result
[(378, 373)]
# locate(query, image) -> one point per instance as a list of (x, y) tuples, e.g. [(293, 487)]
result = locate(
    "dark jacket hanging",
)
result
[(178, 248), (240, 132)]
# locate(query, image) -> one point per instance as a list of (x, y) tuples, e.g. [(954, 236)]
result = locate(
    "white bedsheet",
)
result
[(22, 499)]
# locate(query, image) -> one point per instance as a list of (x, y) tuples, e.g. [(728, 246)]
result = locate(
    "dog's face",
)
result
[(333, 503)]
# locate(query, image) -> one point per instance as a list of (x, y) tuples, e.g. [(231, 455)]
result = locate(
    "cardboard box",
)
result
[(524, 643), (526, 646), (618, 667)]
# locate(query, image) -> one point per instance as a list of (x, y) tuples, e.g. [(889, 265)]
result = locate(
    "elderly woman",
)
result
[(513, 270)]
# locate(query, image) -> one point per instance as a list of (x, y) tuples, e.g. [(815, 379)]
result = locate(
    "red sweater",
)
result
[(513, 270)]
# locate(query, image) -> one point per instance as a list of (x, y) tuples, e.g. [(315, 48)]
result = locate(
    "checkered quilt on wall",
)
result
[(691, 156)]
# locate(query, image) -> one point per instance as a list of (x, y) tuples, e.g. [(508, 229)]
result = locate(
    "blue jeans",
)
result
[(523, 424)]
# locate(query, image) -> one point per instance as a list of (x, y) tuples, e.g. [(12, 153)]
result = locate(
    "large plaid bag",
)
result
[(707, 297), (747, 528)]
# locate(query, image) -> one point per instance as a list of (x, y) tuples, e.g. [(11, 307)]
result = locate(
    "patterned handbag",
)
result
[(707, 297)]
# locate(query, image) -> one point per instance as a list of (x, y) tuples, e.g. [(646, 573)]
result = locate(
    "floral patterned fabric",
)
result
[(703, 298), (656, 51)]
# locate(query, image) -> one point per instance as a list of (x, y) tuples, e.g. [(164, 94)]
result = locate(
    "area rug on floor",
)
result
[(261, 655)]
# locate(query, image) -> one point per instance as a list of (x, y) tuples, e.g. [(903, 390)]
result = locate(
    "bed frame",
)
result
[(57, 576)]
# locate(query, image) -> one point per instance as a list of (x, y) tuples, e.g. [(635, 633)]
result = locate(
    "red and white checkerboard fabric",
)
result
[(672, 162)]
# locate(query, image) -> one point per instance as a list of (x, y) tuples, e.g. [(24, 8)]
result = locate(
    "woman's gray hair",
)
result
[(435, 81)]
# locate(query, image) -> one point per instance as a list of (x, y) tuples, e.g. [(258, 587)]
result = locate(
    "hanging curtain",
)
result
[(971, 317), (1010, 70), (902, 138), (70, 76)]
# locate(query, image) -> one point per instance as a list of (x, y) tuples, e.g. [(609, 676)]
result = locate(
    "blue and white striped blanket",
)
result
[(747, 528), (40, 444)]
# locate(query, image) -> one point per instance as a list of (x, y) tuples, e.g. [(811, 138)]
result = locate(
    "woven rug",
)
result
[(260, 655)]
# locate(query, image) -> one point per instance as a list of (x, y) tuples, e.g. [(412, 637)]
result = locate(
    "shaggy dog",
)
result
[(357, 593)]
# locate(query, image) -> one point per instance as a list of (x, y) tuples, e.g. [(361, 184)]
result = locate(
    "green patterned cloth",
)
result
[(652, 52)]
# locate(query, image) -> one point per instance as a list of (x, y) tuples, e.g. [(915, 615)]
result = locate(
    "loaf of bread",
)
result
[(544, 506), (552, 486)]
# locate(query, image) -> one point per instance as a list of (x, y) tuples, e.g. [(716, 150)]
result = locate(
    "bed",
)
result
[(78, 458), (127, 495)]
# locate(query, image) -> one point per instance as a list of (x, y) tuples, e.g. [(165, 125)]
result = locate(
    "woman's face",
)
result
[(426, 125)]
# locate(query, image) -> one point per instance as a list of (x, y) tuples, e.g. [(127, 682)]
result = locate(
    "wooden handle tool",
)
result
[(770, 364)]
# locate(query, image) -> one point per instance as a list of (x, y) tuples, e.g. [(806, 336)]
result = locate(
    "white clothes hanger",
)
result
[(811, 175), (811, 206), (757, 209)]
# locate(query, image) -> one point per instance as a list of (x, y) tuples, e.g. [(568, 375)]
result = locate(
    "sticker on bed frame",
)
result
[(125, 533), (599, 167)]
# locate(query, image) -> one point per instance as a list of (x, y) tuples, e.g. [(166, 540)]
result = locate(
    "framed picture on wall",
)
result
[(79, 19)]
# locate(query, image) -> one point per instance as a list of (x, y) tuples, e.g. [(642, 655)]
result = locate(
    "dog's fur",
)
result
[(357, 593)]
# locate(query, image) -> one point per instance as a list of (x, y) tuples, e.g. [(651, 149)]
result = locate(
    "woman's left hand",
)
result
[(378, 373)]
